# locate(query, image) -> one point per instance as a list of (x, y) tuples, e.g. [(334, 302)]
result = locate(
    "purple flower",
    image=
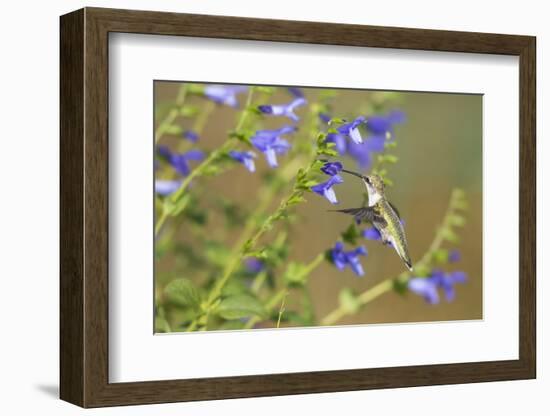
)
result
[(372, 233), (166, 187), (190, 135), (224, 94), (454, 256), (338, 139), (331, 168), (286, 110), (179, 161), (246, 158), (378, 128), (427, 287), (253, 265), (362, 152), (270, 143), (352, 129), (380, 125), (324, 117), (296, 92), (325, 188), (350, 258)]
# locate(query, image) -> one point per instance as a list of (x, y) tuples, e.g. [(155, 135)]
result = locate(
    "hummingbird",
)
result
[(382, 215)]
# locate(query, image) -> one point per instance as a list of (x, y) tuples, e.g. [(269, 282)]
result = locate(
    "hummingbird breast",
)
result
[(392, 231)]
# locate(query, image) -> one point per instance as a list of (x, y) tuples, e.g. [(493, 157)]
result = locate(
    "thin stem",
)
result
[(205, 164), (274, 301), (284, 291), (247, 243), (282, 309), (388, 284), (172, 114)]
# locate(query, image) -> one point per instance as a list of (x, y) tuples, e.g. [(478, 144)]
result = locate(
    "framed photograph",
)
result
[(260, 207)]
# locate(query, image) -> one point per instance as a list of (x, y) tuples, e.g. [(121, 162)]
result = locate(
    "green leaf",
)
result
[(175, 208), (174, 129), (195, 88), (457, 220), (234, 287), (421, 271), (241, 306), (400, 285), (440, 256), (295, 274), (161, 325), (391, 158), (254, 110), (216, 253), (183, 292), (231, 325), (295, 199), (189, 111), (351, 234), (449, 235), (327, 152), (265, 90), (336, 120), (349, 301)]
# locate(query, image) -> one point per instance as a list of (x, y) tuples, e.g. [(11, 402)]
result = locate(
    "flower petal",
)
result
[(271, 157)]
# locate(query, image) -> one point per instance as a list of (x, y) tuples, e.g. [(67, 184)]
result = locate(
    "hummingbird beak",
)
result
[(353, 173)]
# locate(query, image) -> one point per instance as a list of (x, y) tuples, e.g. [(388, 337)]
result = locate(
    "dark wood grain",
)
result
[(84, 207), (71, 185)]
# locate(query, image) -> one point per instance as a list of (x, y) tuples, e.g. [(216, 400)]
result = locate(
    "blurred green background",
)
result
[(439, 148)]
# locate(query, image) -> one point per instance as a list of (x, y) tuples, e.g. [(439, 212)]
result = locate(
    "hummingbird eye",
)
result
[(367, 179)]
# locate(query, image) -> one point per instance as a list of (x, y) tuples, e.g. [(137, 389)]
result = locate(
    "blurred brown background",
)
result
[(439, 148)]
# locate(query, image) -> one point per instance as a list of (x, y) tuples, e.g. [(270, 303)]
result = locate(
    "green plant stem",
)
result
[(172, 114), (205, 164), (387, 285), (282, 309), (245, 244), (270, 304), (276, 299)]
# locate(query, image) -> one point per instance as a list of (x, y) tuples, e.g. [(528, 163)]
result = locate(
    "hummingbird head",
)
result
[(374, 184), (375, 187)]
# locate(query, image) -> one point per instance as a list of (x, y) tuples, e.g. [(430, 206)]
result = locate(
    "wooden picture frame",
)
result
[(84, 207)]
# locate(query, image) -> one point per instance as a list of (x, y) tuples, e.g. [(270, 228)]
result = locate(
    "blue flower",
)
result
[(166, 187), (325, 188), (340, 141), (350, 258), (286, 110), (454, 256), (362, 152), (324, 117), (246, 158), (296, 92), (372, 233), (381, 125), (427, 287), (190, 135), (380, 129), (224, 94), (253, 265), (332, 168), (352, 129), (179, 161), (270, 143)]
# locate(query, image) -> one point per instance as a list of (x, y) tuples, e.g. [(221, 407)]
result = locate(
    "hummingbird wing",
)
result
[(367, 214), (395, 209)]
